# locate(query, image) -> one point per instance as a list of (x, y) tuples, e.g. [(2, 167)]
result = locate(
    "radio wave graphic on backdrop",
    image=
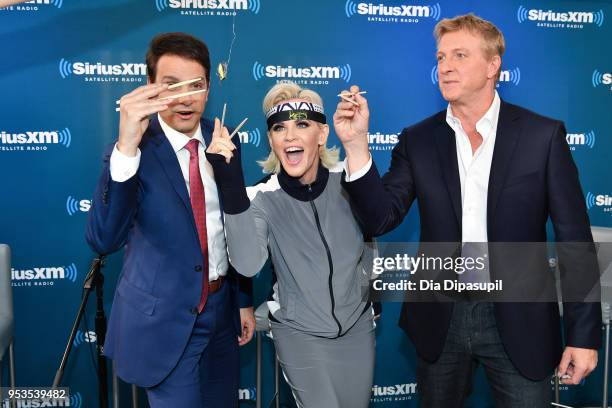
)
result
[(71, 272), (72, 206), (75, 400), (350, 9), (512, 75), (434, 75), (590, 139), (258, 71), (596, 78), (521, 14), (254, 5), (161, 4), (345, 72), (435, 11), (65, 137), (598, 17), (254, 137), (65, 68), (83, 337), (590, 200)]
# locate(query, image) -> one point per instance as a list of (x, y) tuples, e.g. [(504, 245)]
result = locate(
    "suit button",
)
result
[(194, 310), (198, 268)]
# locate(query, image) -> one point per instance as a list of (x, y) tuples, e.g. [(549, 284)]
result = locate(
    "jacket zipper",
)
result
[(329, 260)]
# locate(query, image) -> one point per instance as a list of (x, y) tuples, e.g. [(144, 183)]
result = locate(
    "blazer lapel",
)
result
[(447, 150), (508, 132), (169, 162)]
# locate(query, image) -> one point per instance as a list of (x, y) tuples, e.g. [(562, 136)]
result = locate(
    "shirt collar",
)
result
[(485, 125), (177, 139), (304, 192)]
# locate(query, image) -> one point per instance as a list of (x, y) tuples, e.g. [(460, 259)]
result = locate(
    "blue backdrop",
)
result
[(65, 62)]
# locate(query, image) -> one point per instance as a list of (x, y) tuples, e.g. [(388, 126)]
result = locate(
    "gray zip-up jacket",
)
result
[(318, 251)]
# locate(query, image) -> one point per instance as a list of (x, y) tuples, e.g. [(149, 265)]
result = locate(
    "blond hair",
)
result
[(290, 90), (492, 37)]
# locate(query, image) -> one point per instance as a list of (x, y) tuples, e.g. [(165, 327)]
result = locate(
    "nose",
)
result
[(185, 100), (445, 66), (290, 133)]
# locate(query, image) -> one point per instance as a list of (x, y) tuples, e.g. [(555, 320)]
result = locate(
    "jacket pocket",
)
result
[(137, 298), (287, 303)]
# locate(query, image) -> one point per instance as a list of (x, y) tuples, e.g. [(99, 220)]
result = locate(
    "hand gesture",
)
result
[(135, 109), (221, 142)]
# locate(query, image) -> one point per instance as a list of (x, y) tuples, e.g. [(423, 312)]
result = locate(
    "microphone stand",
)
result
[(94, 279)]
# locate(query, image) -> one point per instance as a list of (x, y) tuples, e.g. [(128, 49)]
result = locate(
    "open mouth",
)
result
[(294, 154), (185, 115)]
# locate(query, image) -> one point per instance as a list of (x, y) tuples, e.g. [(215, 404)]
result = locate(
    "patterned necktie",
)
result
[(196, 193)]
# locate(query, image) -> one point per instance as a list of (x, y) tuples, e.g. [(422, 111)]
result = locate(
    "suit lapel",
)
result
[(169, 162), (508, 132), (447, 150)]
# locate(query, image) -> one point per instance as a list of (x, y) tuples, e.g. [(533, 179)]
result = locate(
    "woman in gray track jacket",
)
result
[(322, 326)]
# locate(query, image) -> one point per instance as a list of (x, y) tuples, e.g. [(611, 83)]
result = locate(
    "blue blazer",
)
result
[(533, 178), (150, 214)]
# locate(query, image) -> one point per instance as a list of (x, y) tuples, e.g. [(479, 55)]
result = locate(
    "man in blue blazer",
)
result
[(179, 313), (482, 170)]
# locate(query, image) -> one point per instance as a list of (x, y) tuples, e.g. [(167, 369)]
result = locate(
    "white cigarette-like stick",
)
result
[(238, 127), (223, 115), (349, 100), (181, 95), (351, 93), (117, 109), (560, 405), (187, 82)]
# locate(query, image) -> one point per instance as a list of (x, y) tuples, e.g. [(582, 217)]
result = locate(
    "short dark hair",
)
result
[(179, 44)]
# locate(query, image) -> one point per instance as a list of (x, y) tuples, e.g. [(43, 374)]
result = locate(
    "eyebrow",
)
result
[(170, 78)]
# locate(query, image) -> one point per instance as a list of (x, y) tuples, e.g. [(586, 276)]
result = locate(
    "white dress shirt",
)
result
[(474, 171), (123, 167)]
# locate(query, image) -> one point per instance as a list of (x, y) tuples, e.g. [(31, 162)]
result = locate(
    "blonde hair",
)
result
[(290, 90), (492, 37)]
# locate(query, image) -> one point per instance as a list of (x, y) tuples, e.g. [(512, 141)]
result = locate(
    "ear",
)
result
[(494, 66), (323, 134)]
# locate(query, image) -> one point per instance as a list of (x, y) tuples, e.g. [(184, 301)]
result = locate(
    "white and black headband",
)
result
[(295, 110)]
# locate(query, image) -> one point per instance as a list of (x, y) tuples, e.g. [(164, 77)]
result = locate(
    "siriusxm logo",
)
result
[(381, 141), (249, 5), (52, 273), (313, 72), (581, 139), (247, 394), (512, 76), (599, 78), (84, 337), (38, 137), (394, 390), (34, 140), (572, 18), (400, 11), (251, 137), (75, 400), (74, 206), (32, 5), (600, 200), (99, 72)]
